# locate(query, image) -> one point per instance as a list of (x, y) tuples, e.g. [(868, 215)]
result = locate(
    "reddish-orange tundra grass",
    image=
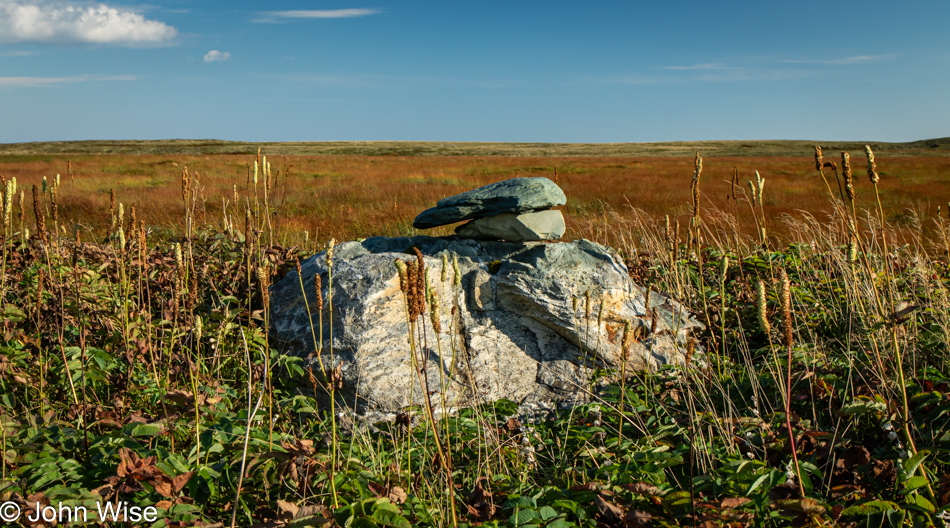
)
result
[(347, 197)]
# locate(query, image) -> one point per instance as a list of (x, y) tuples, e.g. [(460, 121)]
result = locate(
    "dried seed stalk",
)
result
[(760, 307), (787, 310), (872, 167), (846, 174)]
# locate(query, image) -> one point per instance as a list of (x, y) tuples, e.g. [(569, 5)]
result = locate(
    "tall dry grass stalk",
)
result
[(785, 298)]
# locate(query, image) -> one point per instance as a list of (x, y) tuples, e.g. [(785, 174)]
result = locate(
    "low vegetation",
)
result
[(136, 366)]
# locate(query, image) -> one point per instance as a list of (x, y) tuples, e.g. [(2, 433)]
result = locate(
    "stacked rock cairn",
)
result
[(516, 210)]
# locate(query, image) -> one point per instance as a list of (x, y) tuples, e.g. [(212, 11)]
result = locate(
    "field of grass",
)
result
[(927, 147), (135, 362), (346, 197)]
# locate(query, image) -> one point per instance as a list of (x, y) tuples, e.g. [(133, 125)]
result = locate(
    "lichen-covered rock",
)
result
[(517, 326), (515, 196), (526, 227)]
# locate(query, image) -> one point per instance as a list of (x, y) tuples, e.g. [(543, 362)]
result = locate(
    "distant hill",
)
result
[(926, 147)]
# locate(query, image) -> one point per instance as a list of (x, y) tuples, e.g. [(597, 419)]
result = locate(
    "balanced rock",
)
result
[(534, 226), (517, 195), (517, 324)]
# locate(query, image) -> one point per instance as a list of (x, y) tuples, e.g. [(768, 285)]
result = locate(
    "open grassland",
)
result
[(927, 147), (346, 197), (136, 363)]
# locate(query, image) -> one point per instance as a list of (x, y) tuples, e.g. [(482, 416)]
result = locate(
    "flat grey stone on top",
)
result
[(517, 195), (527, 227)]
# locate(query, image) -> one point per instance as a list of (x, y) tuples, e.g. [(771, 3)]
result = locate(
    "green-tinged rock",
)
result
[(517, 195)]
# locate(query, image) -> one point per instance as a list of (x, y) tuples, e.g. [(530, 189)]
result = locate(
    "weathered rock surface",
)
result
[(527, 227), (516, 327), (517, 195)]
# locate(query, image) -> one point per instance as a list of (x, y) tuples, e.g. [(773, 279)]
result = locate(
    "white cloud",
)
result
[(17, 53), (68, 22), (860, 59), (215, 55), (36, 82), (711, 66), (273, 16)]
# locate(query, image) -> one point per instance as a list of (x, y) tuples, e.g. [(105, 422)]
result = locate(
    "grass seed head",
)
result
[(318, 288), (760, 307), (669, 234), (7, 204), (787, 309), (403, 274), (330, 252), (263, 277), (455, 269), (411, 291), (419, 288), (846, 174), (690, 351), (753, 192), (445, 266), (818, 158), (143, 249), (761, 185), (625, 341), (54, 207), (434, 311), (872, 167)]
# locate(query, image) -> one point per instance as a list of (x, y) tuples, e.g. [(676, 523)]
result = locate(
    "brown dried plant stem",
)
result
[(898, 355), (695, 234), (788, 338), (414, 287), (334, 375), (82, 337)]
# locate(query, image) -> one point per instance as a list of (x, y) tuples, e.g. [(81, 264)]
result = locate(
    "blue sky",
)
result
[(536, 71)]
